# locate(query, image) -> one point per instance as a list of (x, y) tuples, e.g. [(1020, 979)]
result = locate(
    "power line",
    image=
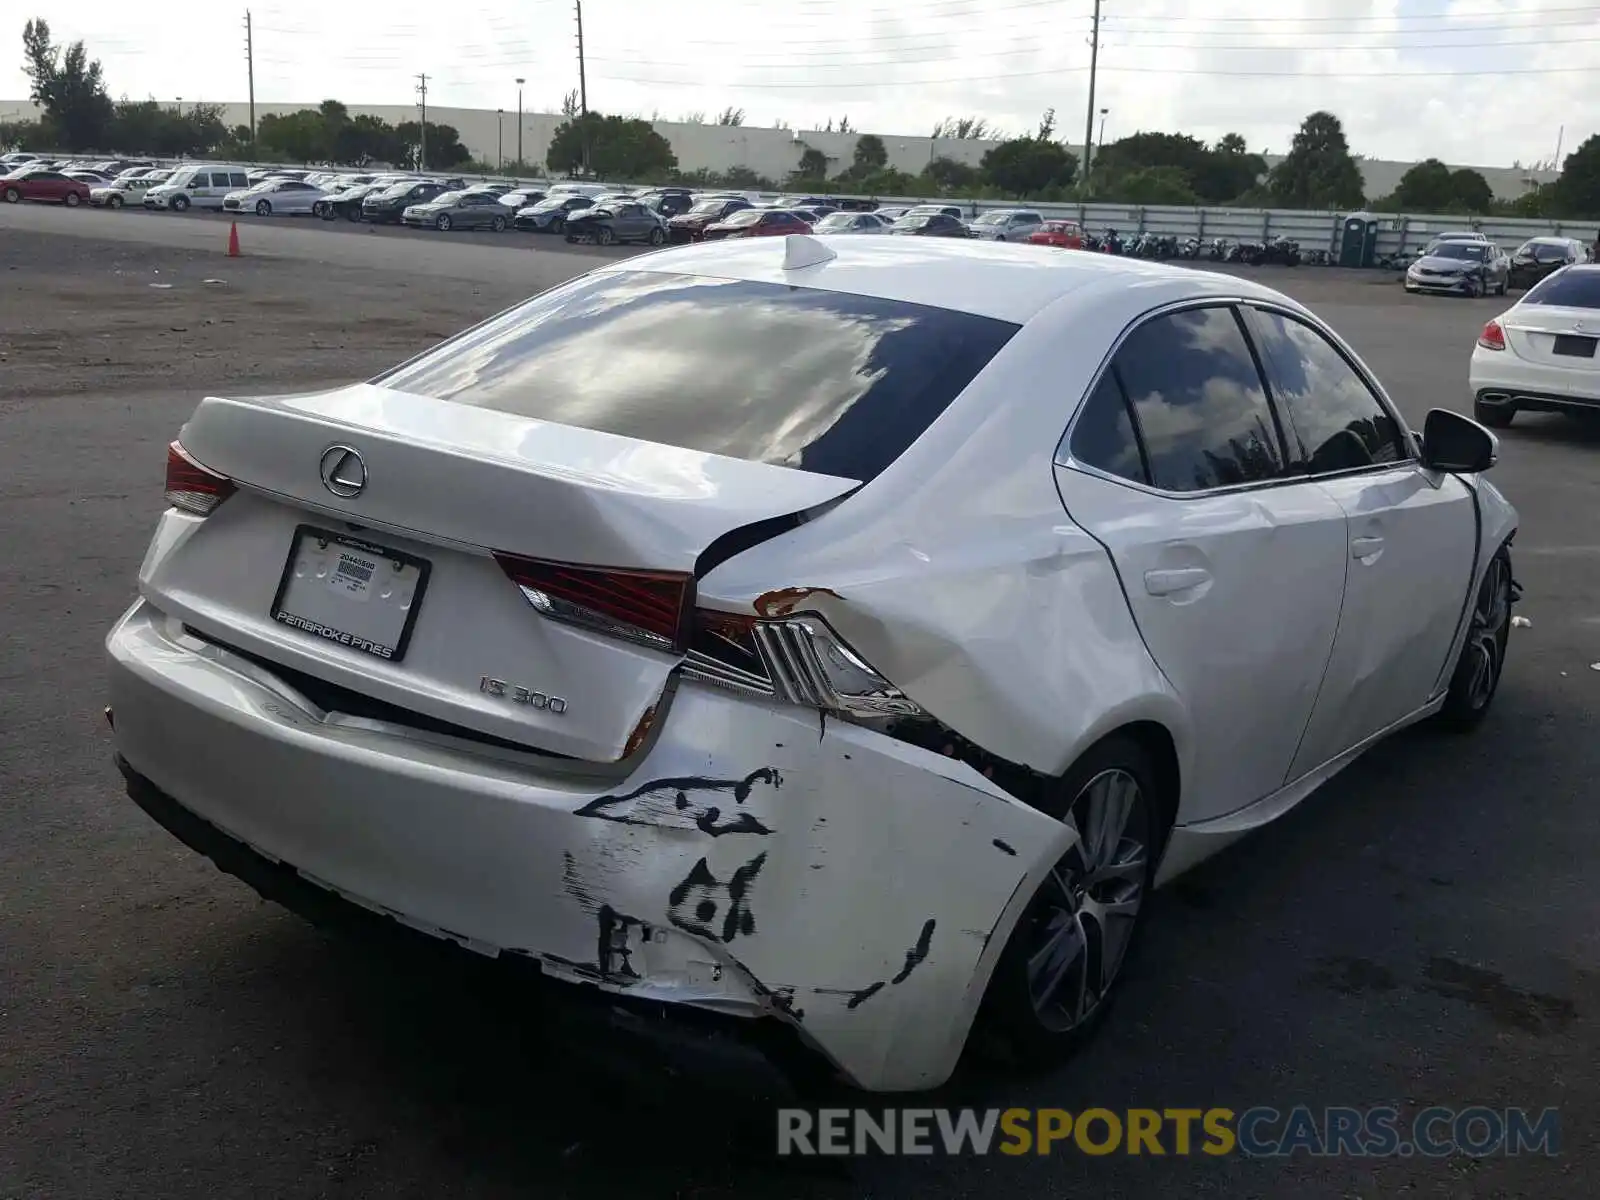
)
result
[(761, 85), (1033, 49)]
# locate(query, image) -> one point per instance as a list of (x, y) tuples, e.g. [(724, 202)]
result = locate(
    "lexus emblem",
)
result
[(343, 471)]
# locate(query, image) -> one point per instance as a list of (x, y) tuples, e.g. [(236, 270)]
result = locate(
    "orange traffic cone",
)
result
[(233, 240)]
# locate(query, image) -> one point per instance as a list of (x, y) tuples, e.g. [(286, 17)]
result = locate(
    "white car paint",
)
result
[(706, 846), (282, 197), (1526, 369)]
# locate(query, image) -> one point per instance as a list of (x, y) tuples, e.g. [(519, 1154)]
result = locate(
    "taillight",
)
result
[(191, 487), (647, 607), (1492, 337), (799, 659)]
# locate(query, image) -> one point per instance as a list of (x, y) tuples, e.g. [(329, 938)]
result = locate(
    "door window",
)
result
[(1198, 403), (1333, 420)]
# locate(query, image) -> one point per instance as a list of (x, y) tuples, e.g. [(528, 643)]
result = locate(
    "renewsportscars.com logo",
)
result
[(1260, 1132)]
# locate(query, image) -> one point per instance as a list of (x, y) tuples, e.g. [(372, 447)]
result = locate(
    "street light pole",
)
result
[(1100, 144), (520, 82), (500, 139)]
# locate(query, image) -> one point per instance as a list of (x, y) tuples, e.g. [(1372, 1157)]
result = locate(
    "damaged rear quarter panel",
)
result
[(856, 888), (957, 573)]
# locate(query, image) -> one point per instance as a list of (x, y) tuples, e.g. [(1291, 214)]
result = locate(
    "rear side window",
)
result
[(826, 382), (1104, 436), (1334, 421), (1198, 402), (1567, 288)]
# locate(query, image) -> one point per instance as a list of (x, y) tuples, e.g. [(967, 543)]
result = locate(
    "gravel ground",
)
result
[(1424, 930)]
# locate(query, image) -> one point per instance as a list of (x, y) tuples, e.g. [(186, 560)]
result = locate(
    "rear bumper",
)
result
[(758, 862), (1499, 379)]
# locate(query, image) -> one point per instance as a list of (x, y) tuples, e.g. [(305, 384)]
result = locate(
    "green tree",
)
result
[(870, 154), (1472, 190), (1576, 193), (1154, 185), (1425, 187), (618, 148), (948, 175), (300, 136), (1319, 170), (813, 165), (444, 149), (963, 128), (68, 86), (731, 116), (1023, 166)]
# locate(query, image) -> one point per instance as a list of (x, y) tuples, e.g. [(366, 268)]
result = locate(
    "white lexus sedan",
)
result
[(841, 637), (1539, 355)]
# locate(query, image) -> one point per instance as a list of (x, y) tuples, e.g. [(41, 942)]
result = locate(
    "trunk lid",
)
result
[(390, 605), (1537, 332)]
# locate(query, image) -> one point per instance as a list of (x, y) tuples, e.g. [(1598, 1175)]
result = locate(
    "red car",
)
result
[(1067, 235), (758, 222), (50, 186)]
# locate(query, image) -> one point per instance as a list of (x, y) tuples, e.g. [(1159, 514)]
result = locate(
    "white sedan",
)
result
[(288, 197), (831, 633), (851, 223), (1540, 354)]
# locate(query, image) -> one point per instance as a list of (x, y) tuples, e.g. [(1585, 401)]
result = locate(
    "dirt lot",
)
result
[(77, 313), (1423, 931)]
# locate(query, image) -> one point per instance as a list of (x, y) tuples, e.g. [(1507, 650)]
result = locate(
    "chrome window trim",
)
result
[(1064, 457)]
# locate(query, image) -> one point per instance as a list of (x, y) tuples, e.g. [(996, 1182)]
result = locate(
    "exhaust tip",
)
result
[(111, 718)]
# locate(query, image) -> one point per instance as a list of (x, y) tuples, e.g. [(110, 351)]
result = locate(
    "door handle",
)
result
[(1365, 547), (1181, 579)]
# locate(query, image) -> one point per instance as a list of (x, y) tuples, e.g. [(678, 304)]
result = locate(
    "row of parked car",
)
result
[(1467, 263)]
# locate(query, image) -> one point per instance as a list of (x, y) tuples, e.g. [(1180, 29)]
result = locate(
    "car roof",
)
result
[(1000, 280)]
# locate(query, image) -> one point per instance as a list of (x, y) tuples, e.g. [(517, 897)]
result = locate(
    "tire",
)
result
[(263, 208), (572, 239), (73, 200), (557, 225), (13, 196), (1504, 288), (605, 236), (1067, 913), (320, 209), (179, 203), (352, 213), (498, 224), (114, 202), (1473, 290), (1495, 416), (1482, 662), (442, 222), (657, 236)]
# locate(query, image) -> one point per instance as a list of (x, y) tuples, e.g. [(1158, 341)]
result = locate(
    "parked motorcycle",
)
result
[(1282, 251)]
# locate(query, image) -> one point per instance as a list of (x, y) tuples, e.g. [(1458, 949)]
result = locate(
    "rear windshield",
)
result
[(826, 382), (1567, 288), (1545, 251)]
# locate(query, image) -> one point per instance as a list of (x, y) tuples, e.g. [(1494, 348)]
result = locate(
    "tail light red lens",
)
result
[(647, 607), (191, 487), (1492, 337)]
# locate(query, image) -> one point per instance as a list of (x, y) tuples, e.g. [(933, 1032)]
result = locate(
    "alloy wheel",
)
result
[(1485, 650), (1082, 921)]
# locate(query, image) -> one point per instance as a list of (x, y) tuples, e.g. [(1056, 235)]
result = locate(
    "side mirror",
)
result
[(1451, 442)]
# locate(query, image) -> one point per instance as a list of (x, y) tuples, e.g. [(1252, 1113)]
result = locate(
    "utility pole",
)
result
[(1088, 120), (583, 92), (250, 67), (422, 99), (520, 82)]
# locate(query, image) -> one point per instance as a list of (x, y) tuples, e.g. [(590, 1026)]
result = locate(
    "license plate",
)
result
[(1572, 346), (350, 592)]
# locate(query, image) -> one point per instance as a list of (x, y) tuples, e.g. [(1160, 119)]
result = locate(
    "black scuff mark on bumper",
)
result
[(614, 957), (705, 906), (918, 954), (649, 803), (915, 957), (1005, 847)]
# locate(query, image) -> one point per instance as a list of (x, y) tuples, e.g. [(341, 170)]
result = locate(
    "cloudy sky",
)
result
[(1470, 81)]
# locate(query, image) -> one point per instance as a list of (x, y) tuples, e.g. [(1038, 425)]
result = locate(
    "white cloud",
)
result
[(896, 69)]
